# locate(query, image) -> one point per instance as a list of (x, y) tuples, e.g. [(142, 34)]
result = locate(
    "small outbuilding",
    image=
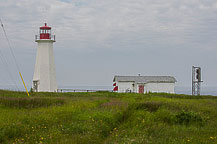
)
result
[(144, 84)]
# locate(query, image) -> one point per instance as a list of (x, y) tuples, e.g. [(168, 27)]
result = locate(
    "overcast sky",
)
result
[(97, 39)]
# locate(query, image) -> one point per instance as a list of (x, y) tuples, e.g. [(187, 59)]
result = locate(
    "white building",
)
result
[(44, 79), (144, 84)]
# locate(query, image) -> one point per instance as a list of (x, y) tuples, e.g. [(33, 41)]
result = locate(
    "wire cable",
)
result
[(13, 56), (7, 69), (4, 61), (12, 52)]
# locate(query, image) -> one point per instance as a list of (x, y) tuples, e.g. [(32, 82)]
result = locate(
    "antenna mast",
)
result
[(196, 80)]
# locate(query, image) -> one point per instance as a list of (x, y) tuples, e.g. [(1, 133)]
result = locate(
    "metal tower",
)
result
[(44, 79), (196, 80)]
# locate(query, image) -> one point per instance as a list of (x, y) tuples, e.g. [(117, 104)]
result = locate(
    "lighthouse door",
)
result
[(35, 85)]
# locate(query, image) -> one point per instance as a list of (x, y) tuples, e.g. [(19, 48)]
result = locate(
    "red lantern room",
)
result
[(45, 33)]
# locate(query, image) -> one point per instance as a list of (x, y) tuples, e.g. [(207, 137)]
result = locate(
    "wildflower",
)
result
[(211, 137), (188, 140)]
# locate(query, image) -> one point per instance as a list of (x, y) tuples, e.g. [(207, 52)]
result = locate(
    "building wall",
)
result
[(45, 72), (149, 87), (160, 87), (125, 86)]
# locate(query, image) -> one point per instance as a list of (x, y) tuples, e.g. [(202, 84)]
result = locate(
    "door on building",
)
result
[(141, 88), (35, 85)]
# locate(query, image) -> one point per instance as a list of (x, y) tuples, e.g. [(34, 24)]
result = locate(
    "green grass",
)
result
[(105, 117)]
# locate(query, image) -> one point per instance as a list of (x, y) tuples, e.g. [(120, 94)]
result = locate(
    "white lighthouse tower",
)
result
[(44, 79)]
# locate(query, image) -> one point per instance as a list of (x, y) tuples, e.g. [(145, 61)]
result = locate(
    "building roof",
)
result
[(145, 79)]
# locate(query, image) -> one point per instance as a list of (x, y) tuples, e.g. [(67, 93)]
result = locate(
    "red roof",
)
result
[(45, 27)]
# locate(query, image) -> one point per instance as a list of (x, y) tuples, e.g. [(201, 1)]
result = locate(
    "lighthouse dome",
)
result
[(45, 27)]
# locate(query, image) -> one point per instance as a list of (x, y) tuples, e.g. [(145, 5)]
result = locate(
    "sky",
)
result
[(97, 39)]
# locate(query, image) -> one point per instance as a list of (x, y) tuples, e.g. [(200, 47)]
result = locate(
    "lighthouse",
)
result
[(44, 79)]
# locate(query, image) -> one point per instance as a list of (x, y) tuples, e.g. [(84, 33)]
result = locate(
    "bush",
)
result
[(188, 117)]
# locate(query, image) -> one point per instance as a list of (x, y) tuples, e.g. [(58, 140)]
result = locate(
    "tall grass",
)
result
[(105, 117), (32, 102)]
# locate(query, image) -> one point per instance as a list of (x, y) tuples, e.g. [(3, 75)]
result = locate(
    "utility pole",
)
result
[(196, 80)]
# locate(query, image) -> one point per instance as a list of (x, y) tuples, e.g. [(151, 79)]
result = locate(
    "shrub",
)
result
[(188, 117)]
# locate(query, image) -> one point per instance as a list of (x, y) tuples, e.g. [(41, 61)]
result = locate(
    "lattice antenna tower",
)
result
[(196, 80)]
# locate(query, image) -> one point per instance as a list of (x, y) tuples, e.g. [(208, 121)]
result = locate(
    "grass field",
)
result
[(105, 117)]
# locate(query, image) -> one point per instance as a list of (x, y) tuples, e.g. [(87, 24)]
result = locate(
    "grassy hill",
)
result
[(105, 117)]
